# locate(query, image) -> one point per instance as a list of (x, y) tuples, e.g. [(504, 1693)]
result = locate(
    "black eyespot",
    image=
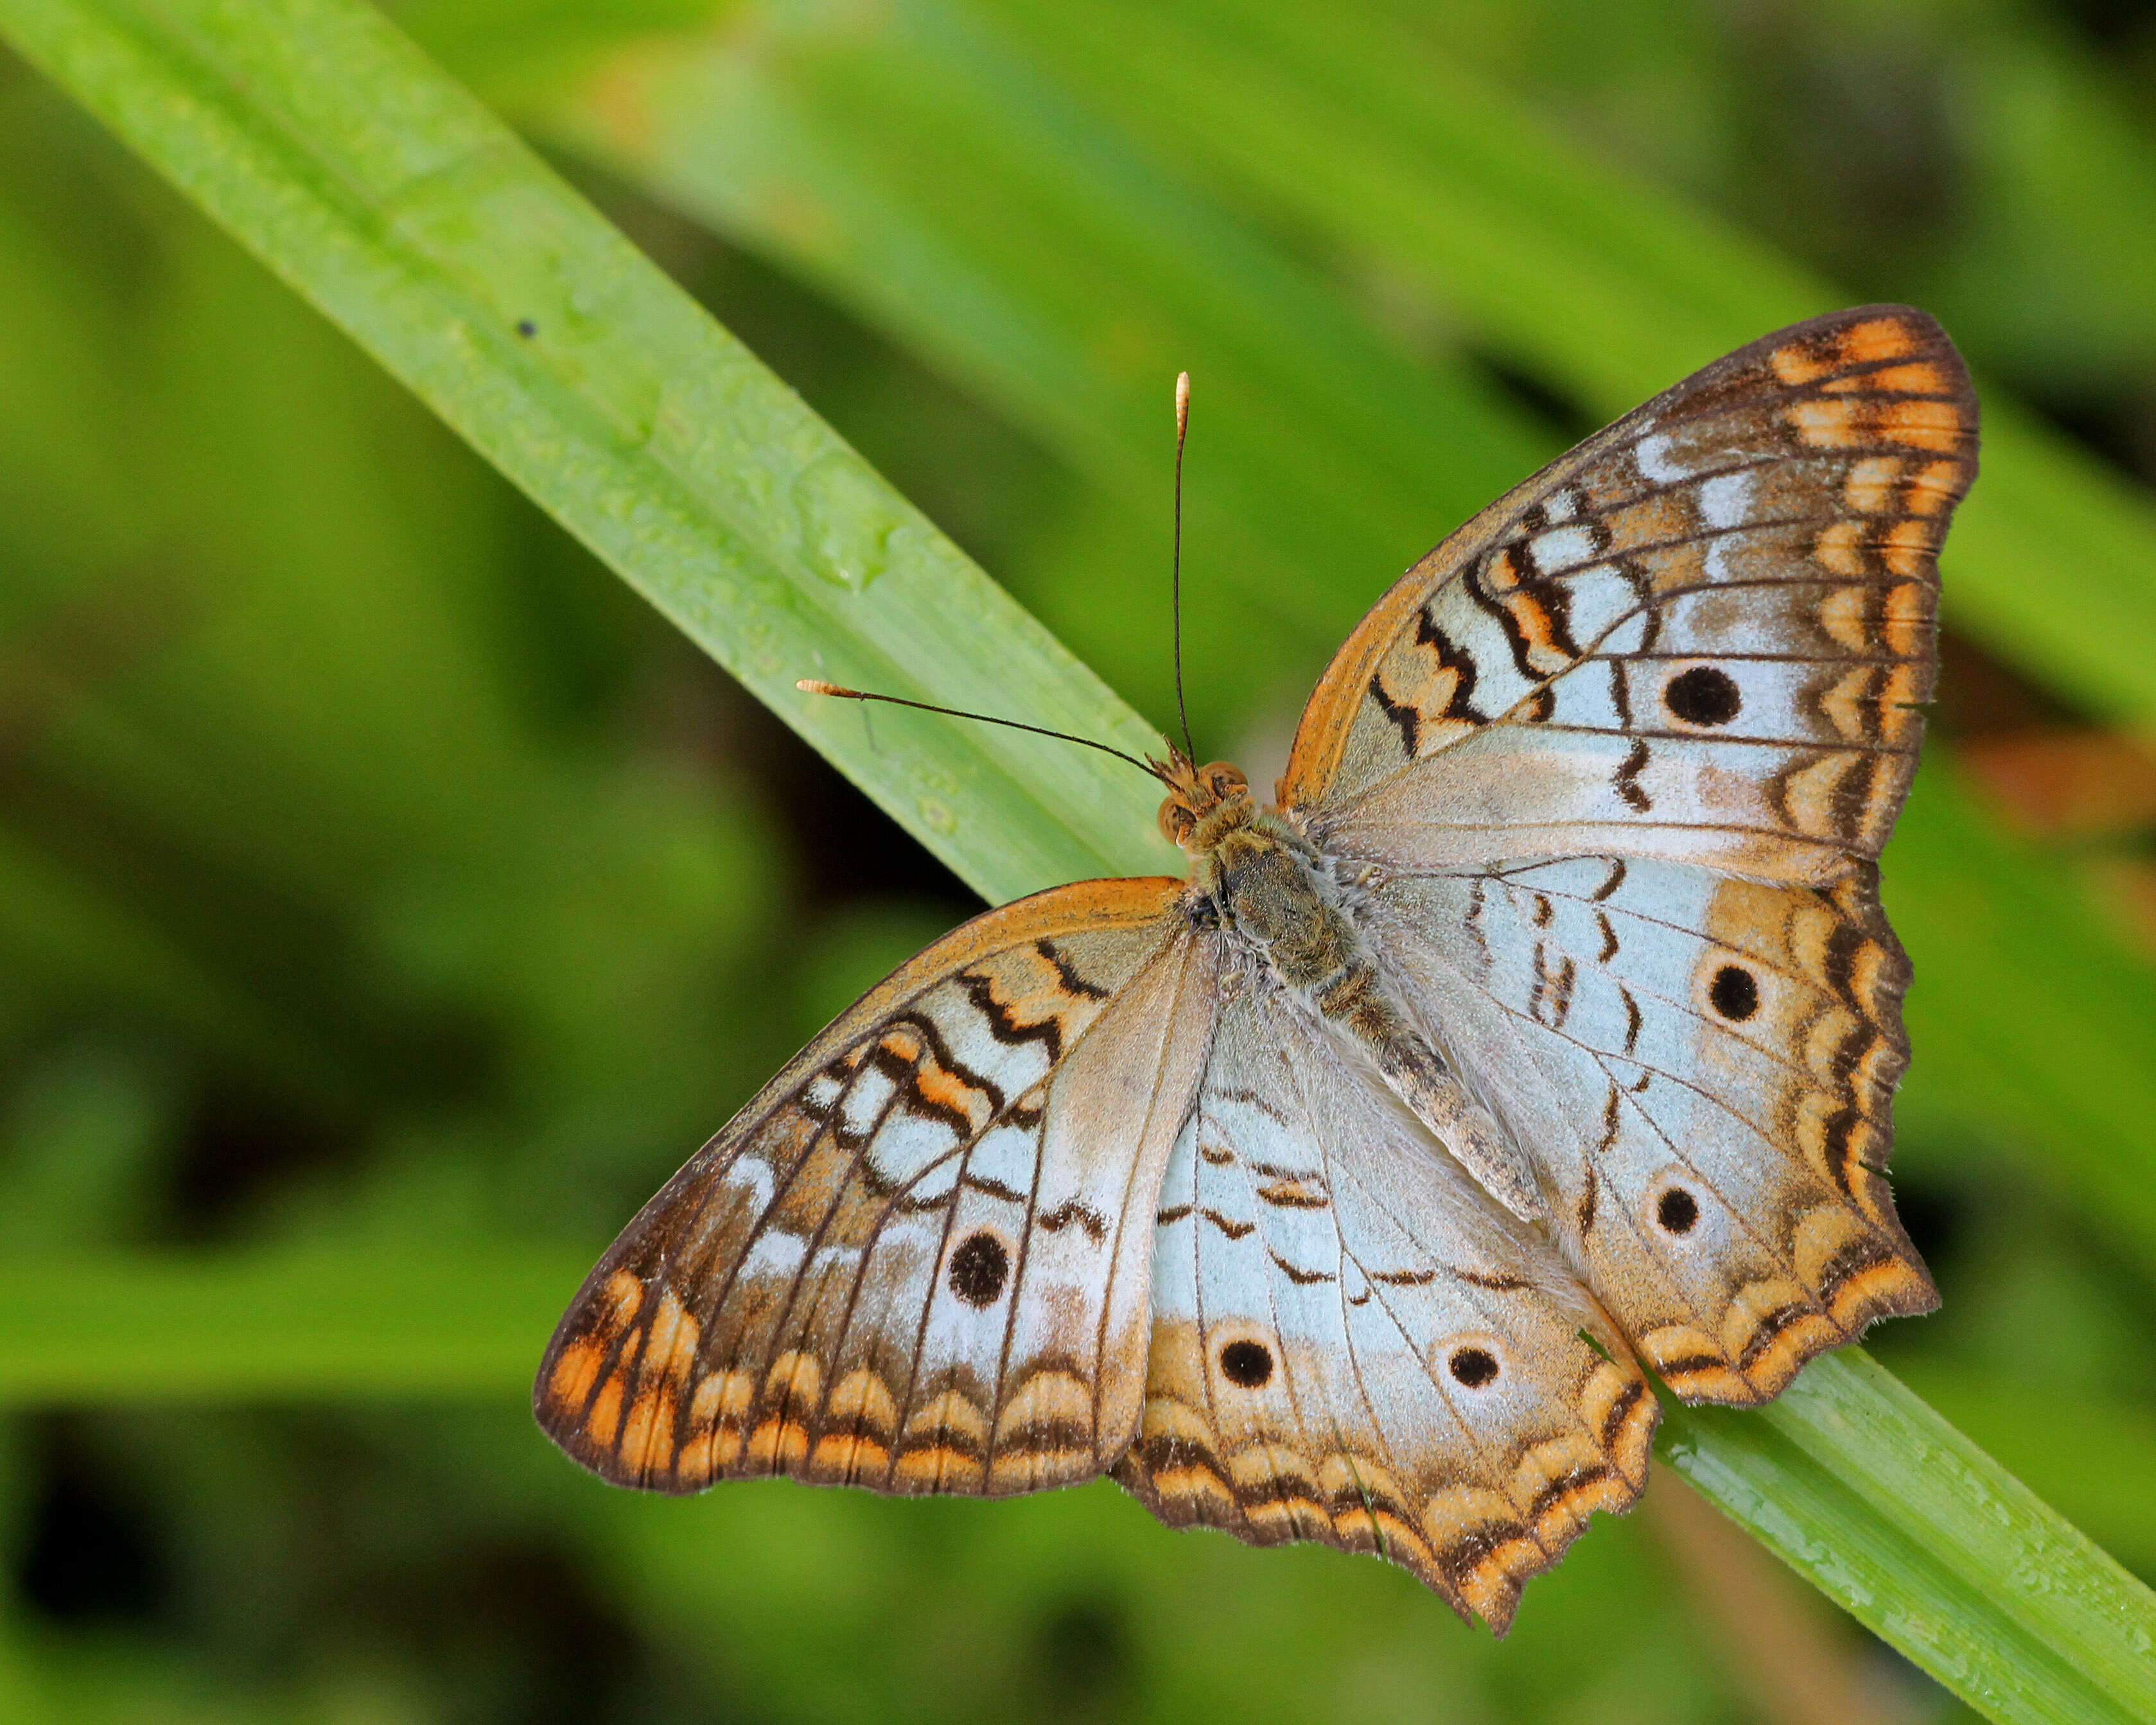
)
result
[(1248, 1363), (1473, 1367), (1703, 696), (979, 1268), (1734, 993), (1678, 1210)]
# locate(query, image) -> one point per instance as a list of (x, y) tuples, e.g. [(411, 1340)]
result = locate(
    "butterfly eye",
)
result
[(1248, 1364), (1176, 820), (1472, 1366), (1226, 781)]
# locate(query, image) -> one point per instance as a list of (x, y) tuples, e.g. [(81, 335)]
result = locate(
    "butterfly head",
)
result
[(1204, 803)]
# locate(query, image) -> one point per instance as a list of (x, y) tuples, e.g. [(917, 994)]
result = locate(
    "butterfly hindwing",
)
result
[(906, 1264), (1353, 1344), (1701, 635), (1704, 1067)]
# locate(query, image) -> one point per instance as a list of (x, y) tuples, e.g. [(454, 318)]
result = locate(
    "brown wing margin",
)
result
[(676, 1365), (1880, 377)]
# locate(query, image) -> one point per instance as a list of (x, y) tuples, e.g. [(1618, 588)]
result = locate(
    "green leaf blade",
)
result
[(431, 235), (2019, 1613)]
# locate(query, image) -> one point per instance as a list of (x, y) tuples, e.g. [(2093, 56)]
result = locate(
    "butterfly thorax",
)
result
[(1273, 896), (1258, 878)]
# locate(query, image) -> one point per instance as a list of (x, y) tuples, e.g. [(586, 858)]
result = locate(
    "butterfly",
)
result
[(1543, 1033)]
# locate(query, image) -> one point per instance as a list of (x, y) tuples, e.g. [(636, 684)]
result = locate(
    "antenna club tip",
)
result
[(816, 685), (1182, 403)]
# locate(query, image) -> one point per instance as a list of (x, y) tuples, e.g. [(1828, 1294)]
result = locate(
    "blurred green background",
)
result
[(389, 901)]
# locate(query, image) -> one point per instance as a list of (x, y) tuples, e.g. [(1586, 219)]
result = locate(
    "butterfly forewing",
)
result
[(1701, 635), (1353, 1344), (906, 1263)]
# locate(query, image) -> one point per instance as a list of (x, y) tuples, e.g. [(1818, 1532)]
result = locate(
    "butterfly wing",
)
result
[(1353, 1344), (908, 1263), (1703, 1070), (1701, 635), (1615, 760)]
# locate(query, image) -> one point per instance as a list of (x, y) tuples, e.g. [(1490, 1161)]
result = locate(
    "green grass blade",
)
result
[(2099, 1448), (410, 216), (939, 187), (401, 209), (2012, 1609)]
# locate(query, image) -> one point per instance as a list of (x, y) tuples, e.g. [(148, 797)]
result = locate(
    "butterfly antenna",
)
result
[(1175, 579), (812, 685)]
